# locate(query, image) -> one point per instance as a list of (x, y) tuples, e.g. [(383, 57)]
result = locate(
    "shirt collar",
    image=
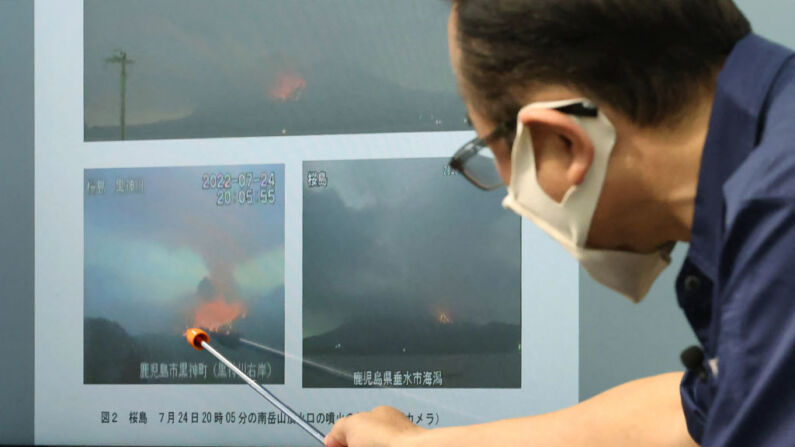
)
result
[(740, 97)]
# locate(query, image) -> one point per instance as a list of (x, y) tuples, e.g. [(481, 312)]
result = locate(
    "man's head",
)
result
[(645, 59), (650, 66), (615, 188)]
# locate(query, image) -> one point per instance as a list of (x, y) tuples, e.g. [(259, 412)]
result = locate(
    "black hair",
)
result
[(648, 59)]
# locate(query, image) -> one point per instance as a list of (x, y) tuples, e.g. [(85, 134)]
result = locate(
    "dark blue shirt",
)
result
[(737, 285)]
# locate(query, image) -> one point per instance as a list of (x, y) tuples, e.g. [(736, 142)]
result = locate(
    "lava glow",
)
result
[(218, 313), (288, 87)]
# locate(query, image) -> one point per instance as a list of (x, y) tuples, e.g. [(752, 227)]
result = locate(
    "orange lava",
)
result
[(217, 314), (288, 87)]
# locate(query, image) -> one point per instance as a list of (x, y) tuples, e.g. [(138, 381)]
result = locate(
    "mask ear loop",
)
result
[(587, 116), (581, 109), (585, 109)]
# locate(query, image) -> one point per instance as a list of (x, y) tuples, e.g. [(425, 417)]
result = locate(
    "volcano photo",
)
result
[(215, 69), (167, 249), (410, 279)]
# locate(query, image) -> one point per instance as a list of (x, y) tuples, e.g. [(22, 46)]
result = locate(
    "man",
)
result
[(621, 126)]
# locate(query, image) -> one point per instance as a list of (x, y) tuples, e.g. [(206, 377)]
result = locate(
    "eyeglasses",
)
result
[(475, 160)]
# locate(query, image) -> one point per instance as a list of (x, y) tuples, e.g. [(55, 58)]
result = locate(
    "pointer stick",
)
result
[(200, 341), (233, 340)]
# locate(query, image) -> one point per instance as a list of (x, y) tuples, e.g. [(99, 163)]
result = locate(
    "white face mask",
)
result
[(568, 222)]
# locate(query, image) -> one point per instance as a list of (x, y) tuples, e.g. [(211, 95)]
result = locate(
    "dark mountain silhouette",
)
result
[(112, 355), (392, 335)]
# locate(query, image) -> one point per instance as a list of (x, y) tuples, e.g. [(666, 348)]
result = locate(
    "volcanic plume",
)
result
[(214, 312), (288, 86)]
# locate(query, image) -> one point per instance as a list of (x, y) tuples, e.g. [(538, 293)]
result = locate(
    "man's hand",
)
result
[(382, 427), (646, 412)]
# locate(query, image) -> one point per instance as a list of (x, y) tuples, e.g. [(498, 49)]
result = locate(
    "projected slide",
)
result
[(171, 248), (234, 68), (411, 278)]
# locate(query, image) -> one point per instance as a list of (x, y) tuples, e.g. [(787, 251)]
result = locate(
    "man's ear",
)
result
[(564, 153)]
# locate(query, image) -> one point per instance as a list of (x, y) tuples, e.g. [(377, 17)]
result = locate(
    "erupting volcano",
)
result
[(218, 314), (288, 86)]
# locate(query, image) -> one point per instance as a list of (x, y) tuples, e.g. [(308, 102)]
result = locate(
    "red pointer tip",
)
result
[(195, 337)]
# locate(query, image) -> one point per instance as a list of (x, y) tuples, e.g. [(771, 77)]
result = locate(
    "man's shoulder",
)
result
[(768, 174)]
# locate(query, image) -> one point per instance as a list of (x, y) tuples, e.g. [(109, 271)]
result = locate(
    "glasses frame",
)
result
[(505, 130)]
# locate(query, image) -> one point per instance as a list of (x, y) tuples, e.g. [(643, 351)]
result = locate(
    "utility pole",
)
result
[(121, 58)]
